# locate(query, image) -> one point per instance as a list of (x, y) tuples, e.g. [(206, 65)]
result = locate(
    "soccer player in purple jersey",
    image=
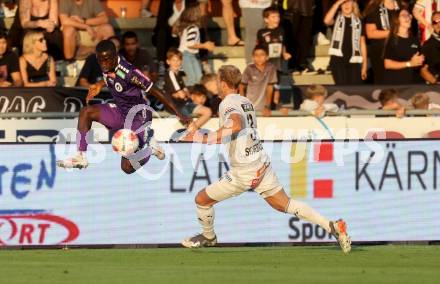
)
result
[(126, 84)]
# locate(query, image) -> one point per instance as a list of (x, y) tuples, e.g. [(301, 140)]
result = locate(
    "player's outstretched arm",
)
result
[(94, 90), (232, 127), (144, 83), (169, 105)]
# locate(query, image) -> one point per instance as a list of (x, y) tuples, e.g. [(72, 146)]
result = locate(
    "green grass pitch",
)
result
[(298, 265)]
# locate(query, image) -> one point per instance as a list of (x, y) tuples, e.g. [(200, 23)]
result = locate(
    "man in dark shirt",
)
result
[(136, 55), (431, 49), (9, 67)]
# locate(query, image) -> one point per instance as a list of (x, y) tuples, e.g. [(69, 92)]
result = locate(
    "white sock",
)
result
[(205, 215), (304, 211)]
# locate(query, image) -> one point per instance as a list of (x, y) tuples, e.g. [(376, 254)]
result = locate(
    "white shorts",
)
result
[(229, 186)]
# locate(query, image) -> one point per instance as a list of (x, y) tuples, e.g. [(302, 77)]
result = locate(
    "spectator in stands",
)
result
[(175, 87), (423, 11), (91, 72), (198, 94), (298, 28), (251, 11), (272, 37), (348, 48), (422, 101), (388, 99), (228, 18), (258, 80), (188, 29), (41, 16), (36, 66), (431, 50), (402, 57), (314, 101), (163, 38), (209, 81), (145, 9), (136, 55), (378, 15), (9, 68), (84, 23)]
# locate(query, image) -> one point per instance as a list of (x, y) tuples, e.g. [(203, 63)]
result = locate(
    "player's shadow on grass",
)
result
[(230, 250)]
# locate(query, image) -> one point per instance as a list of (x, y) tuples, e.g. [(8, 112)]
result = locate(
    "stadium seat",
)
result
[(377, 135), (433, 134)]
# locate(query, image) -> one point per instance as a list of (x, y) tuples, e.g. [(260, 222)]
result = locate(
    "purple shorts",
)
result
[(111, 117)]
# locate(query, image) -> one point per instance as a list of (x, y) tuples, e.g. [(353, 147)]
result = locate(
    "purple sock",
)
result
[(81, 141)]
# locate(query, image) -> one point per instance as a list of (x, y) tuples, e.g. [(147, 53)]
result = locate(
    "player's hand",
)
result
[(189, 137), (94, 90), (185, 120), (192, 127)]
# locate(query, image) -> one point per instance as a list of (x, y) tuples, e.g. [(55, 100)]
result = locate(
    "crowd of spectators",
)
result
[(389, 42)]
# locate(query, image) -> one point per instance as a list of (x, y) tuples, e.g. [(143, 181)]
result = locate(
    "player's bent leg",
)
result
[(138, 160), (87, 115), (205, 215), (223, 189), (281, 202)]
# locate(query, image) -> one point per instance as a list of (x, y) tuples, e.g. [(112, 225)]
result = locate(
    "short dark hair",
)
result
[(106, 46), (260, 47), (129, 34), (3, 34), (270, 10), (387, 95), (174, 52), (198, 89)]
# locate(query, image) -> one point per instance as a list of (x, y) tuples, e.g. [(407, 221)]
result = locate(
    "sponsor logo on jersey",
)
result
[(120, 67), (229, 110), (35, 227), (118, 87), (120, 74), (247, 107), (257, 147)]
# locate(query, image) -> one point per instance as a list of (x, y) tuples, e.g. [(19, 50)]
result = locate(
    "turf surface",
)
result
[(323, 264)]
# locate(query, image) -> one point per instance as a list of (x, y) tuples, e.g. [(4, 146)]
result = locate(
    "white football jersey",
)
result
[(245, 150)]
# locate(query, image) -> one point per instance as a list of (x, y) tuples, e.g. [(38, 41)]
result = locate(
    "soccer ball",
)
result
[(125, 142)]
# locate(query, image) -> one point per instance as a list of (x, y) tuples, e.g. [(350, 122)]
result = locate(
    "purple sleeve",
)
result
[(138, 79)]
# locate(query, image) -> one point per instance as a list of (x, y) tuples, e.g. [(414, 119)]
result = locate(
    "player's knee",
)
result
[(128, 169), (87, 113), (200, 199)]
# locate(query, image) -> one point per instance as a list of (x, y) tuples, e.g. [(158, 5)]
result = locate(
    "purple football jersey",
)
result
[(127, 86)]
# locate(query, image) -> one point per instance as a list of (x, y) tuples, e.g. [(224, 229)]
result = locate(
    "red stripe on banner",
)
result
[(323, 188), (323, 152)]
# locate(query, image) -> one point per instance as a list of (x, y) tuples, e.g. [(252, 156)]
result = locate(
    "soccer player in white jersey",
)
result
[(250, 167)]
